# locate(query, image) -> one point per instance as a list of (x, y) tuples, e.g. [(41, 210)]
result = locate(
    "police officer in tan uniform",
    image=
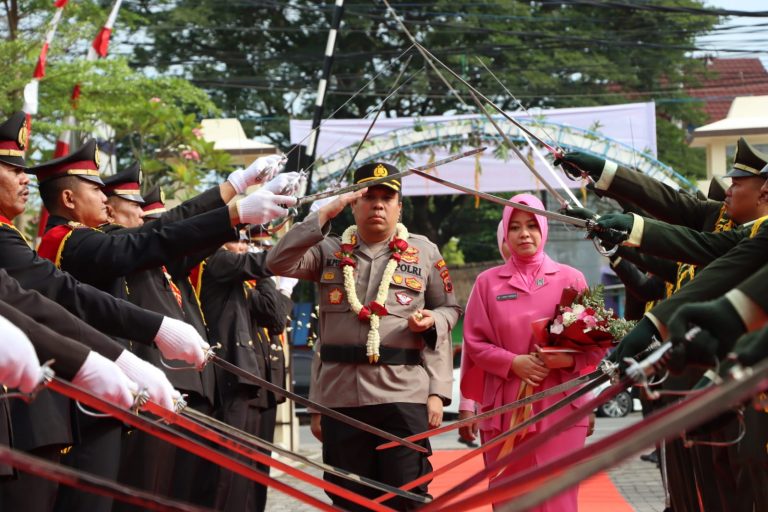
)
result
[(396, 377)]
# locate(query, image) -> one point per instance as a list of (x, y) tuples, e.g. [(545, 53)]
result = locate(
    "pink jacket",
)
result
[(497, 327)]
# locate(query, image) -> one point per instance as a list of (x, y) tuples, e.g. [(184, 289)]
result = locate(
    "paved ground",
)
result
[(638, 481)]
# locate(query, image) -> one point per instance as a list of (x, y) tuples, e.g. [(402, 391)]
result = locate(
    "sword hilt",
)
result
[(640, 371), (140, 399)]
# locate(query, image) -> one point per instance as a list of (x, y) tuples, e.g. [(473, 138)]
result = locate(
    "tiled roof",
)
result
[(728, 79)]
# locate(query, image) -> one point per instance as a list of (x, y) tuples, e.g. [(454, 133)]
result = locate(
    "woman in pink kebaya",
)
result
[(501, 360)]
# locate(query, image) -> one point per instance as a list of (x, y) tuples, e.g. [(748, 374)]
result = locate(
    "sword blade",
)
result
[(370, 183), (327, 411), (504, 202), (494, 442), (92, 483), (565, 386), (243, 437), (561, 474), (193, 446)]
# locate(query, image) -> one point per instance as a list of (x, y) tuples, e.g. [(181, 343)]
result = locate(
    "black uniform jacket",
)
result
[(726, 272), (270, 310), (223, 297), (103, 259), (101, 310)]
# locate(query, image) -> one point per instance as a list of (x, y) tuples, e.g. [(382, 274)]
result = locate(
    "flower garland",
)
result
[(373, 311)]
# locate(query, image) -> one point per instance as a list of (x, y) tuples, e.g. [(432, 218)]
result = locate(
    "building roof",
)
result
[(730, 78)]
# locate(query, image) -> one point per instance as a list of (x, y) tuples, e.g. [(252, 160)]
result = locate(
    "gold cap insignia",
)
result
[(141, 176), (23, 134), (380, 171), (162, 196), (97, 157)]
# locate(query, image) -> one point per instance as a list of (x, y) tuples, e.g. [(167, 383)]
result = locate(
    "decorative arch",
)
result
[(458, 132)]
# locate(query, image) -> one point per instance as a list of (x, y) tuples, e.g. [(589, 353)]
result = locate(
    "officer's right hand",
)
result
[(262, 206), (315, 427), (751, 348), (332, 209), (717, 318), (106, 380), (19, 366), (581, 213), (614, 228), (179, 340), (150, 378), (574, 162), (635, 342)]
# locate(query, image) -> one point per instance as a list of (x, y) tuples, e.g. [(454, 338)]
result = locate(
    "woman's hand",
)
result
[(591, 426), (434, 411), (554, 360), (529, 368), (314, 426), (468, 432)]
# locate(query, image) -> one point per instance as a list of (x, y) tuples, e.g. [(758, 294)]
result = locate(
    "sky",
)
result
[(744, 33)]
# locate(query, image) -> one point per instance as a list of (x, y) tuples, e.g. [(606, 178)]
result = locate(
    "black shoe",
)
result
[(651, 457), (471, 444)]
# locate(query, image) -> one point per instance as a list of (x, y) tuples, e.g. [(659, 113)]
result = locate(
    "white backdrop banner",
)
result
[(632, 125)]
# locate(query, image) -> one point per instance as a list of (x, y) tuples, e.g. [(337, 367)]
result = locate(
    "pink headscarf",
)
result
[(527, 265)]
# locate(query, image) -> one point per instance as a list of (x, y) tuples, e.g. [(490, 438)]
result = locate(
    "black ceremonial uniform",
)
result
[(45, 425), (223, 298), (269, 311)]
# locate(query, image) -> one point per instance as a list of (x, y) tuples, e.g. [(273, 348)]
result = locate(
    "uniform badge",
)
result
[(411, 255), (22, 137), (338, 255), (335, 296), (380, 171), (540, 282), (403, 298), (413, 283), (328, 276), (440, 265), (397, 279), (446, 277)]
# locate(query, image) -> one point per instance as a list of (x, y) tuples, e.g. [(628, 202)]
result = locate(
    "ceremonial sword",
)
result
[(604, 368), (377, 181), (91, 483), (196, 447), (560, 474), (232, 438), (327, 411), (590, 225)]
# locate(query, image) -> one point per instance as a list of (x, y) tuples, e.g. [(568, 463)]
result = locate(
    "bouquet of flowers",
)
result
[(581, 322)]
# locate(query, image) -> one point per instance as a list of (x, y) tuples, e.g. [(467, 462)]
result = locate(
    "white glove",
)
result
[(179, 340), (320, 203), (19, 366), (150, 377), (262, 169), (262, 206), (285, 183), (286, 285), (106, 380)]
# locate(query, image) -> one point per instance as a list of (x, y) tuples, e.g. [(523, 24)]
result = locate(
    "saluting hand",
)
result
[(421, 321), (332, 209), (529, 368)]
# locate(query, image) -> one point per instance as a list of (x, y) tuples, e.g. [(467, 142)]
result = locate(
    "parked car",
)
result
[(620, 405)]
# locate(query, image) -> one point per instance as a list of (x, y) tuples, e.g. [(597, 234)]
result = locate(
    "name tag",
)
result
[(508, 296)]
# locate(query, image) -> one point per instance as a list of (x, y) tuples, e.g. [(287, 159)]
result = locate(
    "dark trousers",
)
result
[(354, 450), (235, 493), (28, 492), (98, 452), (158, 467)]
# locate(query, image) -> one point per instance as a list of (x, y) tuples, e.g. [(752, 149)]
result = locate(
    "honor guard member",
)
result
[(71, 190), (741, 205), (270, 307), (386, 310), (154, 204), (147, 462), (44, 426), (225, 305)]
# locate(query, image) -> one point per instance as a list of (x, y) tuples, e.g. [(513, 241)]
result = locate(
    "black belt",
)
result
[(354, 354)]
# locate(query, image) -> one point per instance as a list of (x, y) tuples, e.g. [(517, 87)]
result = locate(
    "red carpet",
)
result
[(598, 494)]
